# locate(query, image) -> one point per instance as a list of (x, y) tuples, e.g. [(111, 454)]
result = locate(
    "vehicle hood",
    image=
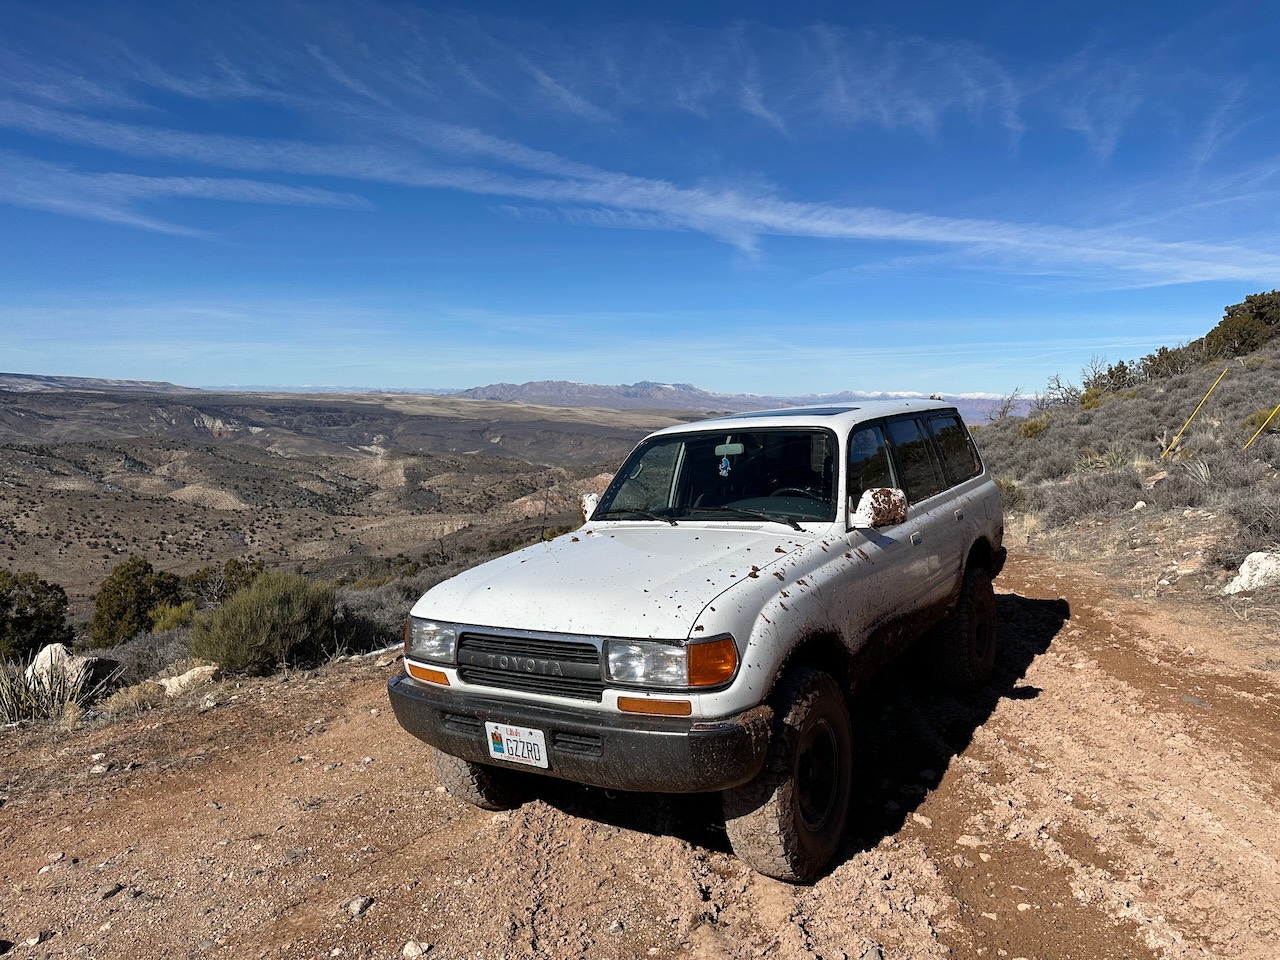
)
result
[(614, 580)]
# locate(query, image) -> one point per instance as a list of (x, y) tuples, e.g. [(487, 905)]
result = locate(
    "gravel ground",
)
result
[(1112, 794)]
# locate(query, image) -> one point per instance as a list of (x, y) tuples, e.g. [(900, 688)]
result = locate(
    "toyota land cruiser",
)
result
[(738, 580)]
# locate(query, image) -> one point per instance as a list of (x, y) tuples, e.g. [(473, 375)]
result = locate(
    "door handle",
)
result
[(959, 514), (917, 539)]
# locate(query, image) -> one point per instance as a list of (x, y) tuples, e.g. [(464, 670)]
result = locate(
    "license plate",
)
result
[(516, 744)]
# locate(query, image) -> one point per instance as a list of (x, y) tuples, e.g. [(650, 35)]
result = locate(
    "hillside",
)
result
[(1111, 463), (321, 482)]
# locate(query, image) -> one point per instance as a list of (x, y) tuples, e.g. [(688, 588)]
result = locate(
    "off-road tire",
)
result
[(480, 785), (788, 822), (965, 650)]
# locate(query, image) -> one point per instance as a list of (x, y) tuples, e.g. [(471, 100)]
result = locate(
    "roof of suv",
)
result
[(835, 415)]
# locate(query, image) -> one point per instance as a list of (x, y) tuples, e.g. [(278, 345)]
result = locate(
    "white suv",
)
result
[(702, 631)]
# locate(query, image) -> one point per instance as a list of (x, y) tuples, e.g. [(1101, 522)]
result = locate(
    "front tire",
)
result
[(788, 822), (483, 786)]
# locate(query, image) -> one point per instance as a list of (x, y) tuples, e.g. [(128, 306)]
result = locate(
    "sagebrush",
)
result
[(279, 620)]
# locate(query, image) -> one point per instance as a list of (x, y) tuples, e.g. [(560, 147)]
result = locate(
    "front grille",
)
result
[(560, 668)]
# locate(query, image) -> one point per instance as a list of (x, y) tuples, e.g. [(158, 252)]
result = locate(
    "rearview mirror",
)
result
[(880, 507)]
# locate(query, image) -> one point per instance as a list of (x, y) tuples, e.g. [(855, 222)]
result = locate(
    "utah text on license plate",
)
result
[(516, 744)]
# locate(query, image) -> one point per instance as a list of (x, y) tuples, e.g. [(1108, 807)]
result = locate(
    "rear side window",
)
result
[(921, 472), (958, 455)]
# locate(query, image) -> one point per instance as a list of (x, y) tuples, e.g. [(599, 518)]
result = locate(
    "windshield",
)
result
[(783, 474)]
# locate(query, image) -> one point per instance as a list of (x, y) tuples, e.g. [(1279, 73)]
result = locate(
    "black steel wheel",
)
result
[(788, 822)]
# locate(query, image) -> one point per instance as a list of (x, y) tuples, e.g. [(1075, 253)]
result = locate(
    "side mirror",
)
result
[(880, 507), (587, 506)]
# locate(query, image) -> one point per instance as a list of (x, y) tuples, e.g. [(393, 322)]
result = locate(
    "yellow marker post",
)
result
[(1175, 440), (1261, 428)]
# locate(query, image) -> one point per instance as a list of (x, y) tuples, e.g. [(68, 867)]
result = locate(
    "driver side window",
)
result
[(870, 465)]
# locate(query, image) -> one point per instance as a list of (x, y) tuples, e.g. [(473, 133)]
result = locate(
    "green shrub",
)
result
[(33, 613), (122, 608), (171, 616), (278, 620), (1033, 428), (1092, 398)]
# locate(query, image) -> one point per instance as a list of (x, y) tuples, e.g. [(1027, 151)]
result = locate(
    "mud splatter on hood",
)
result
[(616, 579)]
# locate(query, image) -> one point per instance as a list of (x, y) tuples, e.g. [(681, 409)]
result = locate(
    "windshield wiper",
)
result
[(754, 514), (647, 514)]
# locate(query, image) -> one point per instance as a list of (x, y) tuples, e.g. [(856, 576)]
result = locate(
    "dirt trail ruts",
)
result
[(1112, 794)]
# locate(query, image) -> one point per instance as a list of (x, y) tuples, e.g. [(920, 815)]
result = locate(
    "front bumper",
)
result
[(632, 752)]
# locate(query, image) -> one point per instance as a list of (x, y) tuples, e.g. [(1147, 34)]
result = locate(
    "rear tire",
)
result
[(479, 784), (966, 653), (788, 822)]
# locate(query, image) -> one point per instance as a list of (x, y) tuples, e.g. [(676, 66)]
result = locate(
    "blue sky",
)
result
[(767, 198)]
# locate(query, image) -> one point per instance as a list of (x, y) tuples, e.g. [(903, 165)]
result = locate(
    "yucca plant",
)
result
[(44, 694)]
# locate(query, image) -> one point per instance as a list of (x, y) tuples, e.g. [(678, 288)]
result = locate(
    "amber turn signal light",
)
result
[(427, 674), (661, 708), (712, 662)]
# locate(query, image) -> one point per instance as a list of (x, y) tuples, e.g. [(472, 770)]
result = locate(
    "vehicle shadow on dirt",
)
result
[(907, 730)]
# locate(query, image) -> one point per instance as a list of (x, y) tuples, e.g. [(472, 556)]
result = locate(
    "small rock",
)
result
[(616, 927), (1024, 907), (44, 936), (100, 768), (358, 906), (107, 891), (1140, 505), (873, 952), (921, 819), (413, 949), (1195, 701)]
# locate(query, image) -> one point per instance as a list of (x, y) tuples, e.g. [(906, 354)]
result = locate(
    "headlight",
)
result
[(642, 661), (430, 640), (652, 663)]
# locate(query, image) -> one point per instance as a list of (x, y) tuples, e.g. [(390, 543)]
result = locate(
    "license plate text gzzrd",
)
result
[(512, 744)]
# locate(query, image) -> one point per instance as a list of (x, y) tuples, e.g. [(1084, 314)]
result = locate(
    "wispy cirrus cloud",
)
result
[(116, 197), (380, 109), (601, 196)]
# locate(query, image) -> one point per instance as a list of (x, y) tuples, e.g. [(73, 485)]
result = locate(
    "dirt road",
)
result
[(1115, 793)]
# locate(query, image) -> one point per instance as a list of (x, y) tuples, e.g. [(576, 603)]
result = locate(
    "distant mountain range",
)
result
[(645, 395)]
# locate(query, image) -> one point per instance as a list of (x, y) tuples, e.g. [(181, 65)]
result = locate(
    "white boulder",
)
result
[(1258, 570), (58, 658)]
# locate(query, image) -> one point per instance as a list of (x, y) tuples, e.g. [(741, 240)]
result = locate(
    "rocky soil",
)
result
[(1114, 793)]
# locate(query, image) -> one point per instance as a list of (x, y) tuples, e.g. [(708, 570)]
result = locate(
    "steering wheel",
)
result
[(796, 492)]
